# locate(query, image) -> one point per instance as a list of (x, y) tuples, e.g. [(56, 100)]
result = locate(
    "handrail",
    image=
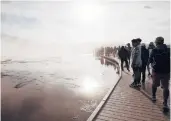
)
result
[(110, 59)]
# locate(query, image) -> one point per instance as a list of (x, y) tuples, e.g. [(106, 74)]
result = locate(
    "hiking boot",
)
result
[(153, 98), (165, 108), (139, 84), (133, 85)]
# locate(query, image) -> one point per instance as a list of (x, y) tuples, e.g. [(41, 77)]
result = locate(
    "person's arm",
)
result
[(118, 53), (151, 57), (128, 54), (148, 64), (135, 56), (147, 54), (150, 60)]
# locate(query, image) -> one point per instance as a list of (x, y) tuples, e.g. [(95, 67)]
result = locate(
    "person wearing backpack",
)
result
[(124, 55), (160, 61)]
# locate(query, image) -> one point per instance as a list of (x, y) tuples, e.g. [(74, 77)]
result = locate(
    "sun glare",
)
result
[(89, 84), (88, 12)]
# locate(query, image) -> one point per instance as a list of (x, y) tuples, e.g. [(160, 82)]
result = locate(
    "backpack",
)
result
[(161, 60)]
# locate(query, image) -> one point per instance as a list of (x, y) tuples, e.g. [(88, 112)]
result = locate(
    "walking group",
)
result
[(157, 56)]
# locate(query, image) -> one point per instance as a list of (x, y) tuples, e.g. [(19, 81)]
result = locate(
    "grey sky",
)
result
[(79, 22)]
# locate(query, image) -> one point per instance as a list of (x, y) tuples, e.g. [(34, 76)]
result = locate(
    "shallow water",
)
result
[(55, 88)]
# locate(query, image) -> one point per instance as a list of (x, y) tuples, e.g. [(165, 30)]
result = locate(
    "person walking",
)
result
[(160, 61), (136, 62), (129, 51), (114, 51), (144, 58), (150, 48), (123, 55)]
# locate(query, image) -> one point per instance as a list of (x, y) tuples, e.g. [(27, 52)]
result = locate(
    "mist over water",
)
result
[(16, 48), (62, 80), (67, 85)]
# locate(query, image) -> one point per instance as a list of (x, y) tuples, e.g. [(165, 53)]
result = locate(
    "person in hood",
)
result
[(124, 55), (160, 61), (136, 62), (151, 47), (144, 58)]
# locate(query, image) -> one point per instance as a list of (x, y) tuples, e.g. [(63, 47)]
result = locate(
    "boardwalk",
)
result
[(128, 104)]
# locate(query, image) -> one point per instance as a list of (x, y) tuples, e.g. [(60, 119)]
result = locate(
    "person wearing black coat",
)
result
[(160, 61), (144, 57), (124, 55)]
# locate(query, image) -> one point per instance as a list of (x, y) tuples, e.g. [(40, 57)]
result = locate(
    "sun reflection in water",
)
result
[(89, 84)]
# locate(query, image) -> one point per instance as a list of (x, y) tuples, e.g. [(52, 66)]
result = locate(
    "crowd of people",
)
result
[(156, 56), (106, 51)]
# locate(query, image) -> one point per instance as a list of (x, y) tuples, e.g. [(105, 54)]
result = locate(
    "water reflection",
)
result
[(22, 111), (106, 62), (69, 90), (109, 63), (89, 84), (102, 60)]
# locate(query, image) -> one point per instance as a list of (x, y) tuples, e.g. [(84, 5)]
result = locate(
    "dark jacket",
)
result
[(144, 56), (160, 59), (123, 54), (129, 51)]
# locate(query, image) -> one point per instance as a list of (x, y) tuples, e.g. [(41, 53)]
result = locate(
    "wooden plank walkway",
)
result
[(128, 104), (146, 89)]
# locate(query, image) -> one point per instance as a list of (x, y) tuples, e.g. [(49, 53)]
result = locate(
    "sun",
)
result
[(89, 12)]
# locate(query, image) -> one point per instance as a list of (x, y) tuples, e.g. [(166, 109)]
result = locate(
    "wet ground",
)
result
[(64, 88)]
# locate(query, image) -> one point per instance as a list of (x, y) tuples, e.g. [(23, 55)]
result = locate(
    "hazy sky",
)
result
[(79, 22)]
